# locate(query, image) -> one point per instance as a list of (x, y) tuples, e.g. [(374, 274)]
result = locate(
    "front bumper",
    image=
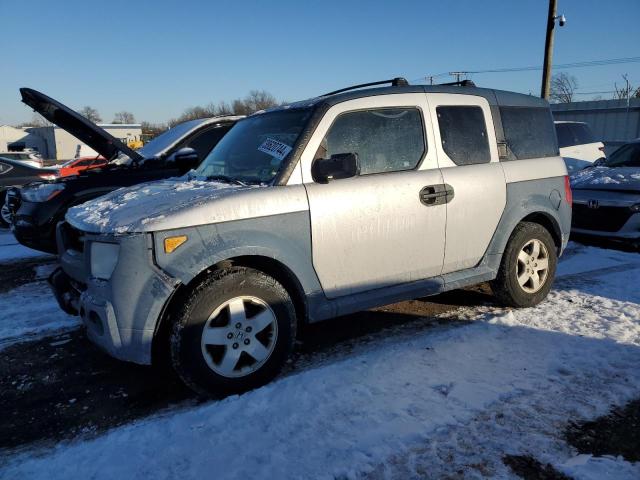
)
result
[(34, 224), (121, 314)]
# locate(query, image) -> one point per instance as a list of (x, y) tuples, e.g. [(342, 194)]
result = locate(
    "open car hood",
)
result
[(88, 132)]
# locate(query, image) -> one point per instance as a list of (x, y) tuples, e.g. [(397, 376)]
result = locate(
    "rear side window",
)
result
[(529, 132), (204, 142), (385, 139), (463, 133)]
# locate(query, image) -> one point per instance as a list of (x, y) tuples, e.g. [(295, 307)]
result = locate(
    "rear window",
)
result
[(582, 133), (464, 134), (529, 132), (565, 135)]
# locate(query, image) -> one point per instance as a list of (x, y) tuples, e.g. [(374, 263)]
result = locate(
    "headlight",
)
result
[(635, 208), (104, 257), (41, 192)]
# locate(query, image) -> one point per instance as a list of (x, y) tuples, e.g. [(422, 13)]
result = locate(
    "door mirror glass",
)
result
[(340, 165)]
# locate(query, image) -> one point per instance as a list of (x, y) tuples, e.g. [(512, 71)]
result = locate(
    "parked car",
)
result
[(38, 208), (82, 164), (14, 173), (578, 145), (607, 197), (28, 158), (317, 209)]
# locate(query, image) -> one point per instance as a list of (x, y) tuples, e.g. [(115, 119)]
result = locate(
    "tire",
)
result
[(5, 216), (233, 333), (522, 279)]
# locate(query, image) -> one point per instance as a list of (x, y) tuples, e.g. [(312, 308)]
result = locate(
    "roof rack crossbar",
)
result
[(461, 83), (398, 81)]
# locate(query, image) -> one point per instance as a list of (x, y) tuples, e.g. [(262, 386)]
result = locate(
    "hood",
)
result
[(607, 178), (150, 206), (84, 130)]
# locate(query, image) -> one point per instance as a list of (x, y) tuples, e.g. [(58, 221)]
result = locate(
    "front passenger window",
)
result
[(385, 139)]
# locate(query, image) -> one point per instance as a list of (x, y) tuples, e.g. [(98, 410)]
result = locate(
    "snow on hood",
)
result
[(143, 207), (607, 178)]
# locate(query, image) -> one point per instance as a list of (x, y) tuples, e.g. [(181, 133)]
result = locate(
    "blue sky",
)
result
[(157, 58)]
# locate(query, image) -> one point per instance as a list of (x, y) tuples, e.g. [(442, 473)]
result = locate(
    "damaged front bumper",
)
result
[(120, 314)]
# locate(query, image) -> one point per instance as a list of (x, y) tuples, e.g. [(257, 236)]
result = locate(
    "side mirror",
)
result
[(186, 158), (340, 165)]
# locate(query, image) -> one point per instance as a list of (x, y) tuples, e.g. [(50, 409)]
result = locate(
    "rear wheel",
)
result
[(528, 267), (234, 332)]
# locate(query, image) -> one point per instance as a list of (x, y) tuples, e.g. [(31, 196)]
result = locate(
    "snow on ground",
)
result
[(427, 404), (29, 312), (11, 250)]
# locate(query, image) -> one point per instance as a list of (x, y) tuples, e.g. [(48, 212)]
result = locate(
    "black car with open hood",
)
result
[(37, 208)]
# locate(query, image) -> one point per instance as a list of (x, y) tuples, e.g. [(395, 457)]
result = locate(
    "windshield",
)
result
[(255, 148), (163, 141), (626, 156)]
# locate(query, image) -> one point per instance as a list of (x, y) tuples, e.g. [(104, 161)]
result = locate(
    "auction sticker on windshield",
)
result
[(275, 148)]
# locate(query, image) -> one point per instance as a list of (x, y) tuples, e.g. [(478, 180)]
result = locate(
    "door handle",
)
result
[(436, 194)]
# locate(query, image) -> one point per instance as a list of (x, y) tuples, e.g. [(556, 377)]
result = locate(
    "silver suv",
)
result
[(320, 208)]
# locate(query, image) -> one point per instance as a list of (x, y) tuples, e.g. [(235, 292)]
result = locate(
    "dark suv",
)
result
[(37, 208)]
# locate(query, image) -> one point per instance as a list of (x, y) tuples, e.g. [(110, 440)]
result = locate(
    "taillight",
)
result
[(568, 195)]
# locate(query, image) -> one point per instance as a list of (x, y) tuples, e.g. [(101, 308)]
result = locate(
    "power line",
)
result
[(592, 63), (562, 66)]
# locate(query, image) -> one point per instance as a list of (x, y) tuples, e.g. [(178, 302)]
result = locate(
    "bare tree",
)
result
[(90, 114), (255, 101), (124, 117), (37, 120), (151, 130), (563, 88), (626, 90)]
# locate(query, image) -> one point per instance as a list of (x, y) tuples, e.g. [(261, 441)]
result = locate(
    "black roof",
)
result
[(494, 97)]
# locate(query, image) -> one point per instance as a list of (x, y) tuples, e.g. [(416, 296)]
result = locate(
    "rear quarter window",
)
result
[(529, 132)]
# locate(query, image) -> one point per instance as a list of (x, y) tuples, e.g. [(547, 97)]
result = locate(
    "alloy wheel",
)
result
[(239, 336), (532, 268)]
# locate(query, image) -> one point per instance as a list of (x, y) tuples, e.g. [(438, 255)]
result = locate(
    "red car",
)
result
[(78, 165)]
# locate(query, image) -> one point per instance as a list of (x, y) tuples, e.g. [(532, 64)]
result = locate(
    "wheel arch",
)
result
[(268, 265)]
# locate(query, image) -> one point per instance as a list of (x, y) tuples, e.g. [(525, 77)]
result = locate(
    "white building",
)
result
[(55, 143)]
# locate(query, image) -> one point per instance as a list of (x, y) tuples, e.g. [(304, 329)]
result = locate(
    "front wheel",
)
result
[(5, 214), (233, 333), (528, 267)]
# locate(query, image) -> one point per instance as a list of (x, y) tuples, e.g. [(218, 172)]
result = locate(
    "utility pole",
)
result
[(548, 47), (548, 50), (457, 75), (430, 78)]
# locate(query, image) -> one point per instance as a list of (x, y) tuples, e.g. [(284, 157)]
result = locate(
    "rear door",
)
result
[(375, 230), (468, 159)]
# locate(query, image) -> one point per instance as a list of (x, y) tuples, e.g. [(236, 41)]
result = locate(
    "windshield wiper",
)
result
[(225, 178)]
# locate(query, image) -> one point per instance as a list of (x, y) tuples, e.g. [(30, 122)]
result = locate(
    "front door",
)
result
[(381, 227)]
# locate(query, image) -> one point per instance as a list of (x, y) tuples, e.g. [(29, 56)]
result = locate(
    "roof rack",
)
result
[(461, 83), (395, 82)]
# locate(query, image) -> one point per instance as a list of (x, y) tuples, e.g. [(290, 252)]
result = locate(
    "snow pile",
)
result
[(11, 250), (129, 209), (31, 312), (416, 403)]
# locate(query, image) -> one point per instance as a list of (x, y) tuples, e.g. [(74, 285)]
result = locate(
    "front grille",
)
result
[(602, 219), (72, 238)]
